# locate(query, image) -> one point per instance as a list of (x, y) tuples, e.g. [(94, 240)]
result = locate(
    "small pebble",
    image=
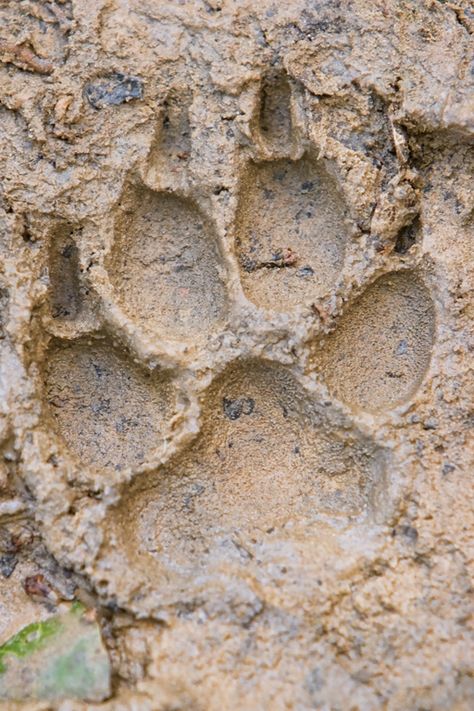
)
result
[(8, 564), (448, 468), (305, 272), (113, 90)]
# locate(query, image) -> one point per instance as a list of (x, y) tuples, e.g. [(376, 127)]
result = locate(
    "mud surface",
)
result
[(236, 347)]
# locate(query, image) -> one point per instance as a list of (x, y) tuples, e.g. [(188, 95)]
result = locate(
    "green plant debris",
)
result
[(58, 658), (29, 640)]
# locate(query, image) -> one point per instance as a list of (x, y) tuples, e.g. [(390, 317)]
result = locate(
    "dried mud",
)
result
[(236, 347)]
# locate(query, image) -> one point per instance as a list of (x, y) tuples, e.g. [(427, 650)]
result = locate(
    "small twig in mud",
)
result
[(24, 57), (280, 259)]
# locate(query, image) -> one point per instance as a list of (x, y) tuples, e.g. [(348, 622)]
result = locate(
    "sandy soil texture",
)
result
[(236, 352)]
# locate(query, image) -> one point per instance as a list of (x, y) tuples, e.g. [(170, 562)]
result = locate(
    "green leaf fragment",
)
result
[(29, 639), (58, 658)]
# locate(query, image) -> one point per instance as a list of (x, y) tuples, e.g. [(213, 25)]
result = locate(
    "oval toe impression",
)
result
[(164, 266), (109, 412), (380, 350), (290, 233)]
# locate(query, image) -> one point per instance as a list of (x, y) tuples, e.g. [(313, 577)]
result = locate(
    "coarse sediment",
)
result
[(236, 337)]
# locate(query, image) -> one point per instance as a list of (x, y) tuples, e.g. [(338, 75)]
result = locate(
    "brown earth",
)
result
[(236, 346)]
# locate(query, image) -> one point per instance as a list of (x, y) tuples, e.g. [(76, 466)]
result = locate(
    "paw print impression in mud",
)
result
[(164, 265), (225, 459)]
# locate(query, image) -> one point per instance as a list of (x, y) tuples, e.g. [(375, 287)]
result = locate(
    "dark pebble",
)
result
[(233, 409), (8, 564), (305, 272), (113, 90), (448, 468), (406, 531)]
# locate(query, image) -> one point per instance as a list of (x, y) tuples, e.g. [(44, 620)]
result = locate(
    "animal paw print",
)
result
[(380, 349), (268, 458), (226, 461), (163, 265), (110, 411), (292, 235)]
